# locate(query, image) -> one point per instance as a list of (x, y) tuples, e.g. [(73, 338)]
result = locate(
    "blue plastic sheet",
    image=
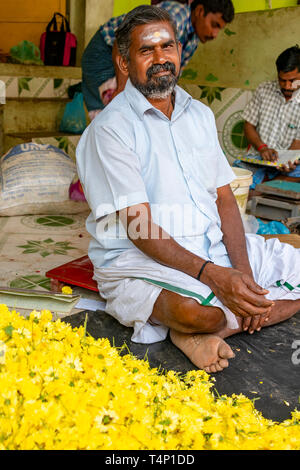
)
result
[(271, 228)]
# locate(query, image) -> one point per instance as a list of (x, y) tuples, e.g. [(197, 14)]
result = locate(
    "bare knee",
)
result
[(197, 318)]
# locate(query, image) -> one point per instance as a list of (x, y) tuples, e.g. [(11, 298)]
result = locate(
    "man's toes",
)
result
[(223, 363), (218, 367), (225, 351)]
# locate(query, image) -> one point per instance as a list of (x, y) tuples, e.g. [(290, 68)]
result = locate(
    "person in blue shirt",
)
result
[(167, 240), (199, 22)]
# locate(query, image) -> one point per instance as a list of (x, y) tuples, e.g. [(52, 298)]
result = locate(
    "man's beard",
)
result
[(158, 87)]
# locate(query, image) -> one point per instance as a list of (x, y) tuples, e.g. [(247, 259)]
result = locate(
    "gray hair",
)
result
[(143, 14)]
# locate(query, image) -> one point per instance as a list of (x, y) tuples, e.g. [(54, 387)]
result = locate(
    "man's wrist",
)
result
[(206, 275), (244, 268), (202, 269), (262, 147)]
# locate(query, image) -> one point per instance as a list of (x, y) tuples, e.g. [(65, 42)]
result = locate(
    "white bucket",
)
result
[(240, 187)]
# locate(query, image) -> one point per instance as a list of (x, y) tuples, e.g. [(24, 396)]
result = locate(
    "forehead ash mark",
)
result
[(157, 35)]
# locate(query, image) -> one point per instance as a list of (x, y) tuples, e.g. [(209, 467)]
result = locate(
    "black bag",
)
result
[(58, 47)]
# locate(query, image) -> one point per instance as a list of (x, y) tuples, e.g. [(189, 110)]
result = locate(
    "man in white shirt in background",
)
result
[(168, 245)]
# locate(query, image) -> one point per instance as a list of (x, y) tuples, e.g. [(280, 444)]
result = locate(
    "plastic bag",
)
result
[(26, 53), (75, 191), (74, 119), (251, 224), (272, 228)]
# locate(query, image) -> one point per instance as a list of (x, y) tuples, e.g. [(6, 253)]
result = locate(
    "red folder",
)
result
[(77, 273)]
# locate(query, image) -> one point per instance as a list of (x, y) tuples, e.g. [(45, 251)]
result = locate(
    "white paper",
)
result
[(90, 304)]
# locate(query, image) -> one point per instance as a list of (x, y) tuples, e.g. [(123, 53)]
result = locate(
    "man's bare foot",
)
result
[(206, 351)]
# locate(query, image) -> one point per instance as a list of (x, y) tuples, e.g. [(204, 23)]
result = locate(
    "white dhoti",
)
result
[(133, 281)]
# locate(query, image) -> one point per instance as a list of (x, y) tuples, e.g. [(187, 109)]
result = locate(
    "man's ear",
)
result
[(118, 61), (122, 64), (179, 47), (199, 11)]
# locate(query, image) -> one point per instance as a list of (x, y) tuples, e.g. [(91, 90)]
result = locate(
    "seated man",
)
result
[(273, 119), (201, 21), (168, 245)]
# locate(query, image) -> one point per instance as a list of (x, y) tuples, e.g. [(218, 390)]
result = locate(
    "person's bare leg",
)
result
[(199, 331), (282, 310), (209, 348), (186, 318)]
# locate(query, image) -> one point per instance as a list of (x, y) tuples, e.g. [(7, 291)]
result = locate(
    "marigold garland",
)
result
[(62, 389)]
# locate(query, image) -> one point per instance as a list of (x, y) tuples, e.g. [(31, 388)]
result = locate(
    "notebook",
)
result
[(284, 156), (28, 300)]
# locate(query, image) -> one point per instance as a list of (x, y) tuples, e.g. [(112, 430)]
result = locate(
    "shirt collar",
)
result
[(141, 105)]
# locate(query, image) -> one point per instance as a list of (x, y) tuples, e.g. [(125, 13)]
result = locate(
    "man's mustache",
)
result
[(156, 68)]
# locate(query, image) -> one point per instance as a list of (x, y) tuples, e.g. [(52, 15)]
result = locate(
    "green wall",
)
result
[(244, 54), (123, 6), (254, 5)]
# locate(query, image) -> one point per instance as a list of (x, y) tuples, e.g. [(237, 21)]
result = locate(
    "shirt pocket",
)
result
[(204, 167), (291, 133)]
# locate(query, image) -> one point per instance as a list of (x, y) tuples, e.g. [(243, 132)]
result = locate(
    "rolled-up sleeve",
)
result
[(109, 171)]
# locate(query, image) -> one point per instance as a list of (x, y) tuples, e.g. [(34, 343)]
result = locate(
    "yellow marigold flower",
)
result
[(62, 390), (67, 290)]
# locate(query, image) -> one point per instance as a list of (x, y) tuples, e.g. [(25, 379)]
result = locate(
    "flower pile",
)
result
[(61, 389)]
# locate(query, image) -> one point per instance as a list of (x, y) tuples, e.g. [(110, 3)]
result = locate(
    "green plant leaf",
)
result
[(23, 84), (228, 32), (33, 243), (211, 78), (9, 330), (63, 143), (190, 74), (57, 82)]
